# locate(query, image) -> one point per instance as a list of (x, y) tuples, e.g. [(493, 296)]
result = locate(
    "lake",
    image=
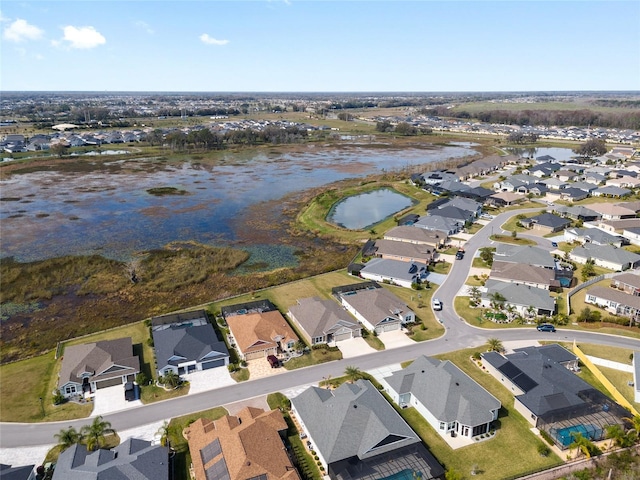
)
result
[(559, 153), (363, 210), (107, 210)]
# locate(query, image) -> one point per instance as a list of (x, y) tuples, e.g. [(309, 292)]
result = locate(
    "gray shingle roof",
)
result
[(607, 253), (353, 420), (524, 254), (377, 304), (190, 343), (391, 269), (322, 317), (522, 295), (446, 391), (133, 459)]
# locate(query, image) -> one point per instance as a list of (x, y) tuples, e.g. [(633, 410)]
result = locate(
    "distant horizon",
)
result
[(315, 46), (330, 92)]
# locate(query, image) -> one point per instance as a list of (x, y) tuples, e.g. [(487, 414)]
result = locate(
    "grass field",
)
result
[(510, 239), (475, 107)]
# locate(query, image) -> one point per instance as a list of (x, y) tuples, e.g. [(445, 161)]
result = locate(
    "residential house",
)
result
[(465, 204), (323, 321), (186, 343), (524, 274), (551, 397), (24, 472), (610, 211), (448, 399), (625, 181), (248, 445), (454, 213), (566, 175), (132, 459), (394, 272), (585, 186), (358, 435), (525, 299), (555, 184), (503, 199), (572, 194), (606, 256), (591, 235), (576, 212), (377, 309), (614, 301), (91, 366), (260, 334), (594, 178), (546, 222), (619, 226), (404, 252), (632, 234), (538, 189), (479, 194), (448, 226), (611, 192), (627, 282), (417, 236), (524, 255)]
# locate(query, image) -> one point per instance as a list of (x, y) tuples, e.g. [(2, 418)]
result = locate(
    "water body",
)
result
[(108, 211), (366, 209), (560, 154)]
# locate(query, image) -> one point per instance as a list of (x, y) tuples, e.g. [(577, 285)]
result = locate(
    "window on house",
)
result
[(442, 425)]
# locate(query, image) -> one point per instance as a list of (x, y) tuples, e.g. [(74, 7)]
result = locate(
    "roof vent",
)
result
[(457, 384), (355, 406)]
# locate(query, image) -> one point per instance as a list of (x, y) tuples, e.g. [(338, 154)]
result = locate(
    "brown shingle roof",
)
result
[(258, 331), (250, 444)]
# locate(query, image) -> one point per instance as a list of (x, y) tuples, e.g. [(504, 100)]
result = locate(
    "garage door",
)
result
[(388, 327), (260, 354), (212, 364), (109, 383), (342, 336)]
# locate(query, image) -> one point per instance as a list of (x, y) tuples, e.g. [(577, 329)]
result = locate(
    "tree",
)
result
[(584, 445), (514, 234), (163, 433), (495, 345), (384, 126), (592, 148), (94, 434), (618, 436), (171, 379), (486, 254), (634, 422), (58, 149), (587, 271), (475, 294), (451, 474), (497, 300), (353, 373), (404, 128), (68, 437)]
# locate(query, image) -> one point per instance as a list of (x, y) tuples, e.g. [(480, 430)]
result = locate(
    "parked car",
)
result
[(554, 244), (273, 361), (131, 391), (546, 327), (437, 304), (459, 255)]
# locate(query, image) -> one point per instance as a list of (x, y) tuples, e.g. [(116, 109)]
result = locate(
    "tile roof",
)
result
[(248, 445)]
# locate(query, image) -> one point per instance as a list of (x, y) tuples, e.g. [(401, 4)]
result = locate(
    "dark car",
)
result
[(273, 361), (131, 391), (546, 327), (459, 255), (554, 244)]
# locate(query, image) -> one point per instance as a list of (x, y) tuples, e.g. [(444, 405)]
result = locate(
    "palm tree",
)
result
[(495, 345), (475, 294), (583, 444), (171, 379), (511, 310), (531, 311), (635, 423), (163, 433), (68, 437), (353, 373), (95, 433), (616, 434)]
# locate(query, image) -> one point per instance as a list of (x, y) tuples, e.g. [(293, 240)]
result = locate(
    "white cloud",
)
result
[(144, 26), (81, 37), (21, 30), (205, 38)]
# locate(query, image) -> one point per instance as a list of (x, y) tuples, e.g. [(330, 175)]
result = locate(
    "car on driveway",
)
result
[(131, 392), (437, 304), (546, 327), (554, 244)]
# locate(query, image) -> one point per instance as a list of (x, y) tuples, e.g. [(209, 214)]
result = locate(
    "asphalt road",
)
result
[(458, 335)]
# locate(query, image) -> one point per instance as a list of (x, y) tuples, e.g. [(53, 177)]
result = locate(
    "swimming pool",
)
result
[(564, 436), (404, 475)]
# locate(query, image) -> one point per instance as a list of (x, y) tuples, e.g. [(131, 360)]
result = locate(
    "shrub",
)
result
[(476, 356), (546, 437), (150, 341), (58, 398), (543, 449), (141, 379)]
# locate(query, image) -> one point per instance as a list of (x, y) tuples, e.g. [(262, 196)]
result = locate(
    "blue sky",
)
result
[(326, 46)]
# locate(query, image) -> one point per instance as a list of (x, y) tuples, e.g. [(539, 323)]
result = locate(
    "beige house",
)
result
[(418, 236), (246, 446), (259, 334)]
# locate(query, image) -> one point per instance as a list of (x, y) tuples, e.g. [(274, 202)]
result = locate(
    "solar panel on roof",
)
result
[(218, 471), (510, 370), (513, 373), (210, 452)]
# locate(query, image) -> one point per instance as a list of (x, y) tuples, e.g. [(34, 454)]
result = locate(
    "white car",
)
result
[(437, 304)]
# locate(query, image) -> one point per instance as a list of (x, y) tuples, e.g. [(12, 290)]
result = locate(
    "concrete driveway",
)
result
[(354, 347), (395, 339), (111, 399), (208, 379)]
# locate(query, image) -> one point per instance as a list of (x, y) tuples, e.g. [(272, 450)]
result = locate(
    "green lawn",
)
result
[(420, 302), (479, 263), (510, 239), (153, 393), (512, 224), (621, 380), (440, 267), (314, 357), (511, 452)]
